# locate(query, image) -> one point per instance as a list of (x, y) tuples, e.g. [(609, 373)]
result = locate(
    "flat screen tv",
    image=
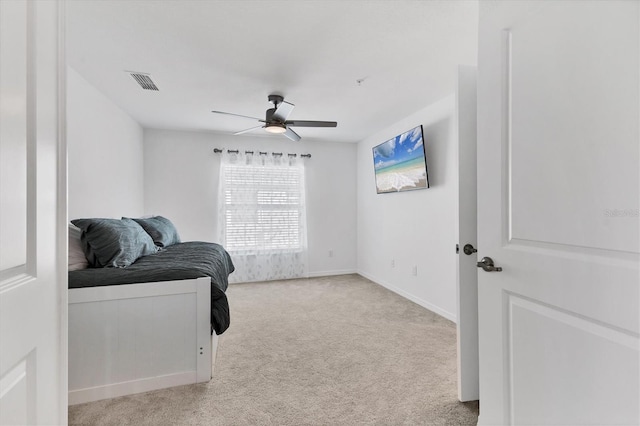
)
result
[(400, 163)]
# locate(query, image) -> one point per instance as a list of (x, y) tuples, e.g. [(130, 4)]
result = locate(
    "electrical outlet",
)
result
[(393, 263), (330, 252), (414, 271)]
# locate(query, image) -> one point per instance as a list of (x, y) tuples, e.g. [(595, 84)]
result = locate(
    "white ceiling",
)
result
[(229, 55)]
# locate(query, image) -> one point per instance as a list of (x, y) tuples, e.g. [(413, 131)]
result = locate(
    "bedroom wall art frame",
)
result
[(400, 163)]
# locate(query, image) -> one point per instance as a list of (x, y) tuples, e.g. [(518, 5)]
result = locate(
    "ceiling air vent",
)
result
[(144, 80)]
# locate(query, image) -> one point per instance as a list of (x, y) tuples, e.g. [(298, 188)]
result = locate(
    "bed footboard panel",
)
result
[(133, 338)]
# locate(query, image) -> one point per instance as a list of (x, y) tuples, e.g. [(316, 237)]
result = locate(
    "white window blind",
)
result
[(263, 207)]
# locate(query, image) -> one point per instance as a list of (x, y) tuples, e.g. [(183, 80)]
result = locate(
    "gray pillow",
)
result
[(163, 232), (113, 242)]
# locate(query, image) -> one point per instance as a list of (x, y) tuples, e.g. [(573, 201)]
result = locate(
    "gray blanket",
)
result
[(177, 262)]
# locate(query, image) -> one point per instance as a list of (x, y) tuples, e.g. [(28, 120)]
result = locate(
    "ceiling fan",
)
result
[(276, 119)]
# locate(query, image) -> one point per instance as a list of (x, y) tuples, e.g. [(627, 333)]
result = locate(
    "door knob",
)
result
[(468, 249), (486, 263)]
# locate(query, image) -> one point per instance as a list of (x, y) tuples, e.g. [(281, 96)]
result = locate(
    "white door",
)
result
[(467, 274), (558, 200), (32, 216)]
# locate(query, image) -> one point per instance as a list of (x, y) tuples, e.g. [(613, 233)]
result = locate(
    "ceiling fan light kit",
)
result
[(275, 128), (276, 119)]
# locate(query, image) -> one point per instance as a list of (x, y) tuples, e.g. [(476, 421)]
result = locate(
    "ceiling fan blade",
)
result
[(247, 130), (292, 135), (282, 112), (302, 123), (237, 115)]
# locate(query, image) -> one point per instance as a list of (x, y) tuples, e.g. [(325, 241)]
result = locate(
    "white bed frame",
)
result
[(126, 339)]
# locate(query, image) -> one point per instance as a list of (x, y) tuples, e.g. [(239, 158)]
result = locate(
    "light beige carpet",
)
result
[(325, 351)]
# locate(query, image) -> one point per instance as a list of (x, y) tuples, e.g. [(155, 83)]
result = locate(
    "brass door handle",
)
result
[(486, 263)]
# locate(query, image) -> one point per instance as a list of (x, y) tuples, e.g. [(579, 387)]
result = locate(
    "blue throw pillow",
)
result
[(113, 242), (163, 232)]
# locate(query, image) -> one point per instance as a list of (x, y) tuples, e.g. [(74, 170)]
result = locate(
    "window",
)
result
[(263, 207)]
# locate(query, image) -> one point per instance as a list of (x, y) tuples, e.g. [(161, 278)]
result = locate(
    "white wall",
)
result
[(105, 154), (415, 228), (181, 182)]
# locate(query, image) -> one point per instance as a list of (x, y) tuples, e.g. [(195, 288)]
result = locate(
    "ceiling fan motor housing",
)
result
[(275, 100), (269, 115)]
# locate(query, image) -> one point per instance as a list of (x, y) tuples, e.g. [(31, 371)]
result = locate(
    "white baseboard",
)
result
[(317, 274), (127, 388), (430, 306)]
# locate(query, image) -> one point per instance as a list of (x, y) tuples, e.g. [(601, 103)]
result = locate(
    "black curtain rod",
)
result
[(232, 151)]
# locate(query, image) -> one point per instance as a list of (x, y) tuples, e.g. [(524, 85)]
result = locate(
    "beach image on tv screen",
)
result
[(400, 163)]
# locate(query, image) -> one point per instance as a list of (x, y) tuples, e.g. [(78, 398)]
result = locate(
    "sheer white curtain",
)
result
[(262, 216)]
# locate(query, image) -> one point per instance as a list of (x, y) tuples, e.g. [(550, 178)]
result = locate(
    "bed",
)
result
[(149, 325)]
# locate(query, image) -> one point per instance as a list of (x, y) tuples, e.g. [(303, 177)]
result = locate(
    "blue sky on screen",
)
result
[(404, 147)]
